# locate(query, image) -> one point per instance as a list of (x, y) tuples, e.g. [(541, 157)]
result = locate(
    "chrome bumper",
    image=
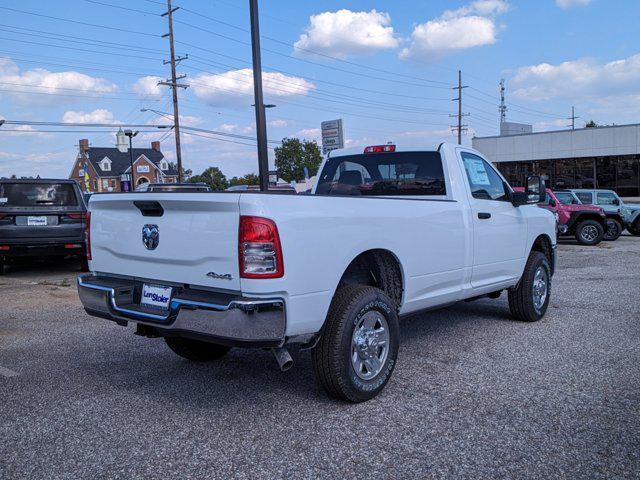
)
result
[(218, 318)]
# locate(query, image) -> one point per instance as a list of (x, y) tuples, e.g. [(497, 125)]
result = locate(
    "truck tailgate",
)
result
[(197, 237)]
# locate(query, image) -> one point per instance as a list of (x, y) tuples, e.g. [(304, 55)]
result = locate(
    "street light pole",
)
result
[(261, 121), (131, 134)]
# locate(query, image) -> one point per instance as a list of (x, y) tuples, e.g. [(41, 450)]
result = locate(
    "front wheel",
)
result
[(589, 232), (357, 351), (528, 301), (195, 350), (614, 230)]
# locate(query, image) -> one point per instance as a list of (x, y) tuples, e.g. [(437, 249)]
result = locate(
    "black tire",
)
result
[(634, 229), (332, 361), (521, 298), (587, 226), (614, 230), (2, 266), (195, 350)]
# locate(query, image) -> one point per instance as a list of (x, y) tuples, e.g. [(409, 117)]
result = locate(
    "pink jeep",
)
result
[(586, 222)]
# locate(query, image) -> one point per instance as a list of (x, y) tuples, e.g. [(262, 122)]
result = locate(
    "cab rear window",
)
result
[(37, 195), (391, 174)]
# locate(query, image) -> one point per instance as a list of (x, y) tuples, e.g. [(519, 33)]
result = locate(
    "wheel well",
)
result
[(589, 216), (543, 245), (615, 216), (376, 268)]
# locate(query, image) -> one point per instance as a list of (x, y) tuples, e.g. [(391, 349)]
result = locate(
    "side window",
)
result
[(585, 197), (606, 199), (485, 183)]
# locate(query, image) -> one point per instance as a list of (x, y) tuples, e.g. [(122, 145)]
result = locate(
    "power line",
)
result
[(78, 22), (338, 59)]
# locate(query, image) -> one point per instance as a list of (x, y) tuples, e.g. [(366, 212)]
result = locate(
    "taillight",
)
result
[(87, 230), (259, 249), (389, 148), (77, 216)]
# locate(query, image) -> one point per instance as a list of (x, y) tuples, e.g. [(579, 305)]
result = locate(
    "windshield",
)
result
[(567, 198), (37, 194), (399, 173)]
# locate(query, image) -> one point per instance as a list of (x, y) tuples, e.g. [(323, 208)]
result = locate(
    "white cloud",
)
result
[(470, 26), (345, 33), (101, 115), (278, 123), (578, 79), (310, 134), (148, 87), (21, 130), (565, 4), (227, 128), (235, 87), (186, 120), (48, 87)]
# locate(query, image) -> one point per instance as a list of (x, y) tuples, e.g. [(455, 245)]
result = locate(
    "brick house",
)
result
[(100, 169)]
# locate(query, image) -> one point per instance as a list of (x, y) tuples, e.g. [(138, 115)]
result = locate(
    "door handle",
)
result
[(484, 215)]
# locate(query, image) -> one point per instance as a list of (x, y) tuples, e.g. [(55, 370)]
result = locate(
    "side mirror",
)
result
[(552, 202), (535, 192), (616, 201)]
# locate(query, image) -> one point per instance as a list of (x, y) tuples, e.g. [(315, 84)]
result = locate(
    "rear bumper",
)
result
[(198, 314), (32, 247)]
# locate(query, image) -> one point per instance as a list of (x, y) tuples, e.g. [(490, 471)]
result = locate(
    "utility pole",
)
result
[(459, 127), (503, 107), (573, 118), (173, 83), (261, 121)]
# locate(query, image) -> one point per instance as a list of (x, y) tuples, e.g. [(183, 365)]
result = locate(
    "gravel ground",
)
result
[(474, 395)]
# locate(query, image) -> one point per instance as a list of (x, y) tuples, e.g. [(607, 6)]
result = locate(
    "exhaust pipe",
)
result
[(285, 362)]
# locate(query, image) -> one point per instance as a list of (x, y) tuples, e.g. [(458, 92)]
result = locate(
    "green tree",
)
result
[(213, 177), (248, 179), (186, 172), (294, 155)]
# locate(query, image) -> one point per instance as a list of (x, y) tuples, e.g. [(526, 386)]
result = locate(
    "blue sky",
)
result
[(386, 68)]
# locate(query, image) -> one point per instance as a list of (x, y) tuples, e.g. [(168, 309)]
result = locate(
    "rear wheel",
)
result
[(195, 350), (589, 232), (635, 228), (2, 266), (529, 300), (357, 351), (614, 230)]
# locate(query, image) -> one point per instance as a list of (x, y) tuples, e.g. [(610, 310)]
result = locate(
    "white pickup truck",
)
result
[(384, 233)]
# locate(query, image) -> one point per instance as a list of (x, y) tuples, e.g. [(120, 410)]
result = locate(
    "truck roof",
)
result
[(343, 152)]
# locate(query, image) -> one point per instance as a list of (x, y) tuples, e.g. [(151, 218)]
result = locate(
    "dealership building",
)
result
[(598, 157)]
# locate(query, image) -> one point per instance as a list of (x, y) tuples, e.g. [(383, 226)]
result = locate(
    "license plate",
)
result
[(37, 221), (155, 296)]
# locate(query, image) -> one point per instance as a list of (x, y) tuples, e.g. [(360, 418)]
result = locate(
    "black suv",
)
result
[(41, 217)]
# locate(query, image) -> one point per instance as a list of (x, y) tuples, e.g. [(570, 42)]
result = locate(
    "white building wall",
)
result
[(583, 142)]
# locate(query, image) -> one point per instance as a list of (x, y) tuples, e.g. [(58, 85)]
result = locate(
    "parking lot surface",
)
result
[(474, 394)]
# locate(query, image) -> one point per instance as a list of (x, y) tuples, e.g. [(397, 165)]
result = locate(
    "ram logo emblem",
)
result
[(150, 236)]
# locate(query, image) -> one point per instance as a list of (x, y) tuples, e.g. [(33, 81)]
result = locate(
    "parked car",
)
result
[(41, 217), (587, 223), (384, 233), (622, 215)]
